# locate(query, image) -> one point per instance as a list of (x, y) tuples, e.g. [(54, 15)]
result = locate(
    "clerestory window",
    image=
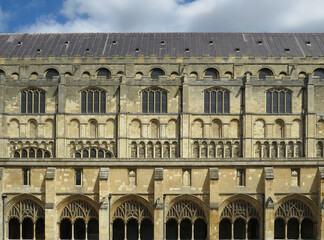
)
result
[(154, 101), (32, 101), (216, 101), (278, 101), (93, 100)]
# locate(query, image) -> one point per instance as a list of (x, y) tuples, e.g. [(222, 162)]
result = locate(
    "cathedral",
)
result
[(162, 136)]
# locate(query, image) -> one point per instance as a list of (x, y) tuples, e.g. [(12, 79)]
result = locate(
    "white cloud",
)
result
[(176, 15)]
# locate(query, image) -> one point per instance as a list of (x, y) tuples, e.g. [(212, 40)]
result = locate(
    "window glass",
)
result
[(31, 153), (36, 98), (24, 153), (269, 102), (42, 102), (100, 154), (103, 102), (30, 102), (288, 102), (265, 73), (319, 73), (206, 102), (103, 72), (144, 102), (26, 177), (39, 153), (213, 102), (47, 154), (275, 102), (23, 102), (93, 153), (212, 72), (17, 155), (226, 102), (282, 102), (51, 73), (157, 102), (156, 73), (85, 154), (78, 177), (90, 102), (83, 102), (151, 102), (220, 102), (96, 102), (164, 102)]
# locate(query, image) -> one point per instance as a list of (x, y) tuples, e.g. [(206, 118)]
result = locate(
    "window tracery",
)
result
[(154, 100), (32, 153), (278, 101), (79, 209), (294, 208), (239, 209), (93, 153), (26, 209), (185, 209), (32, 101), (93, 100), (132, 209), (216, 100)]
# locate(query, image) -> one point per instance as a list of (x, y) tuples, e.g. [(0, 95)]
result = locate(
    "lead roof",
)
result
[(160, 44)]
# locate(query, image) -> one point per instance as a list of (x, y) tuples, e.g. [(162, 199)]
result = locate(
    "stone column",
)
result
[(213, 201), (3, 125), (159, 225), (51, 231), (248, 119), (104, 208), (268, 226), (123, 126), (2, 199)]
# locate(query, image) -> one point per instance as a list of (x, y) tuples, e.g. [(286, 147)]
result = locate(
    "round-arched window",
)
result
[(156, 73), (319, 72), (212, 72), (265, 72), (51, 73), (103, 72)]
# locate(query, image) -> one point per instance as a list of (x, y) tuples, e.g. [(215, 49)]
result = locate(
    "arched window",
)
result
[(216, 101), (93, 153), (31, 153), (51, 73), (212, 72), (265, 72), (278, 101), (154, 101), (319, 72), (93, 100), (156, 73), (2, 73), (103, 72), (32, 101)]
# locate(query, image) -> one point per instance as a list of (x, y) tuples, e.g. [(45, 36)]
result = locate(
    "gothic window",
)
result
[(32, 153), (278, 101), (93, 100), (264, 73), (185, 209), (132, 209), (32, 101), (156, 73), (93, 153), (216, 101), (319, 72), (212, 72), (154, 101), (51, 73), (103, 72)]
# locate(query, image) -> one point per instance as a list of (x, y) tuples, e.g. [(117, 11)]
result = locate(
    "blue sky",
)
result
[(161, 16)]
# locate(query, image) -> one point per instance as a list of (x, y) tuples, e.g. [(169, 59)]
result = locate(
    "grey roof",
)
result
[(159, 44)]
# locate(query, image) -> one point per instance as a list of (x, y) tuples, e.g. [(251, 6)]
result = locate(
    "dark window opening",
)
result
[(26, 176), (212, 73), (154, 101), (103, 72), (216, 101), (78, 177), (156, 73), (278, 101), (51, 73), (32, 101), (264, 73), (93, 101)]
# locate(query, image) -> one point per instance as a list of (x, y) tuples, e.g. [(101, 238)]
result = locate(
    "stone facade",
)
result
[(154, 156)]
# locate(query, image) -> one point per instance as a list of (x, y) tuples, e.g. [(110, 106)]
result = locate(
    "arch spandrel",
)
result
[(79, 209)]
